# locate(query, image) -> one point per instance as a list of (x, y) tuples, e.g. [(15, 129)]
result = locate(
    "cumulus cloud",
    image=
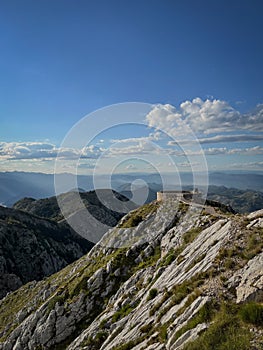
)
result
[(152, 137), (91, 151), (210, 116), (43, 151), (26, 150), (39, 150), (204, 117)]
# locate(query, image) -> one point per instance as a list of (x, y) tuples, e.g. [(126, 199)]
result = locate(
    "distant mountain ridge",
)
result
[(17, 185), (242, 201), (49, 208)]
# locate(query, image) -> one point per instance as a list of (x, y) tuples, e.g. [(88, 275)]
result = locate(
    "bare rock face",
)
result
[(160, 292), (249, 281), (189, 336), (256, 214)]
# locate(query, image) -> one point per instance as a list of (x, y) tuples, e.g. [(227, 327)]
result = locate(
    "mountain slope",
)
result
[(179, 279), (32, 248), (89, 213)]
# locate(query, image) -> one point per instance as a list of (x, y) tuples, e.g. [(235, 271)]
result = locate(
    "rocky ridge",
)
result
[(92, 200), (171, 282)]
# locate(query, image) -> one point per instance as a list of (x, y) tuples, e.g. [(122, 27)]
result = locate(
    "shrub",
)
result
[(150, 261), (146, 328), (152, 293)]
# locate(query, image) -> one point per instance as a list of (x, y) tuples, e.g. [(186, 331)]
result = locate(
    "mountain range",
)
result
[(17, 185)]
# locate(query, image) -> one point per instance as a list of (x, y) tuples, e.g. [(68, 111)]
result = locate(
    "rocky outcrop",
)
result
[(159, 285), (248, 281)]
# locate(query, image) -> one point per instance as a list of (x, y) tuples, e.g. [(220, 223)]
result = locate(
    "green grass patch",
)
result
[(205, 314), (97, 341), (150, 261), (168, 258), (252, 313), (163, 333), (191, 234), (124, 311), (226, 331), (129, 345), (15, 302), (179, 292), (136, 216), (60, 299)]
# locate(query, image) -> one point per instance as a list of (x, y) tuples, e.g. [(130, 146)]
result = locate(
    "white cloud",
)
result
[(38, 150), (141, 147), (247, 151), (26, 150), (204, 117), (223, 139), (152, 137), (209, 116), (91, 152), (213, 151), (248, 166)]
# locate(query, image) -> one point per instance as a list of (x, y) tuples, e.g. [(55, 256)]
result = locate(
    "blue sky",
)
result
[(61, 60)]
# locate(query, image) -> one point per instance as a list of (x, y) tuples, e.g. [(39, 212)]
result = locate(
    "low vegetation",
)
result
[(136, 216), (191, 235), (252, 313), (152, 294), (226, 330), (124, 311)]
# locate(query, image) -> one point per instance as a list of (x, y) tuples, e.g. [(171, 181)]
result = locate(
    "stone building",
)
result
[(186, 195)]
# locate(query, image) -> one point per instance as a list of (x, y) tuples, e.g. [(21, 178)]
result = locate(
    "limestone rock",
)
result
[(249, 281)]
